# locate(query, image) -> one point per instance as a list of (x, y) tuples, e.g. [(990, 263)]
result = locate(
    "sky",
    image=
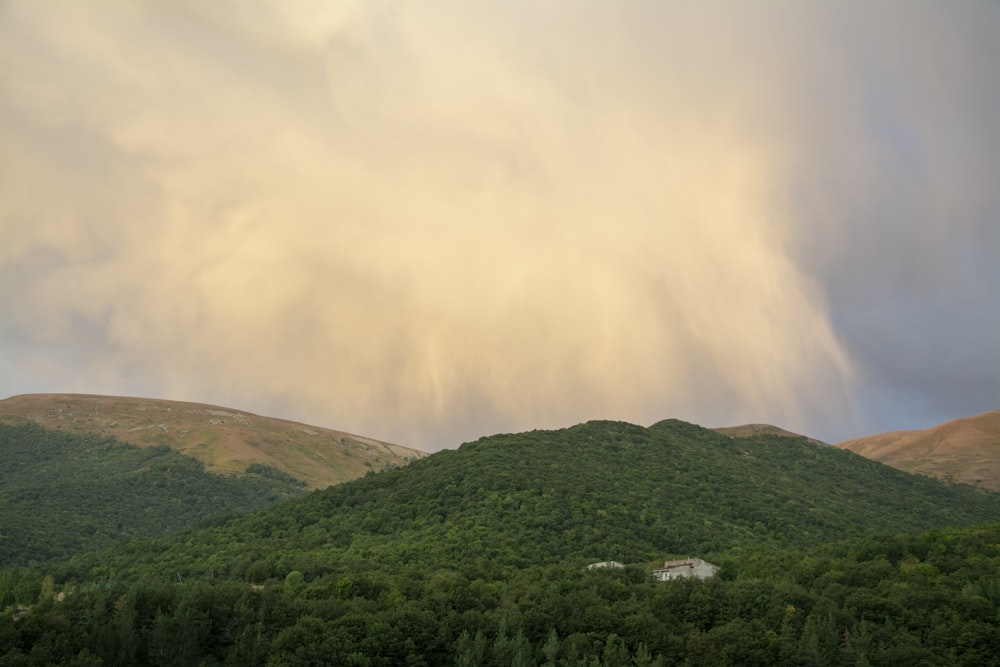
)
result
[(430, 221)]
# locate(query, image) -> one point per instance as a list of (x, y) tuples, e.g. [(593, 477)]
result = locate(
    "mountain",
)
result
[(225, 440), (63, 494), (748, 430), (963, 450), (478, 556), (598, 491)]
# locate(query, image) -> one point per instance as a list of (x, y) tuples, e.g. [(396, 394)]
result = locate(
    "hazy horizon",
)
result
[(428, 222)]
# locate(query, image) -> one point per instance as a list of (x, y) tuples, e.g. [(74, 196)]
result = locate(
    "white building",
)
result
[(689, 567), (608, 563)]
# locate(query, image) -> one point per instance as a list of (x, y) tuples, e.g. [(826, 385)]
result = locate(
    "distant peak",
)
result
[(750, 430)]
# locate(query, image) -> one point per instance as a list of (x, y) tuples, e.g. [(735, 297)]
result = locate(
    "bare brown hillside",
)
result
[(224, 439), (748, 430), (965, 450)]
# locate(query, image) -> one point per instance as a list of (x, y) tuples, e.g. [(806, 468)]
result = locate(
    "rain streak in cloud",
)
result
[(426, 222)]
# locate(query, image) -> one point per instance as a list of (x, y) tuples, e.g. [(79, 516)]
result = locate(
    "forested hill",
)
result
[(476, 557), (597, 491), (62, 494)]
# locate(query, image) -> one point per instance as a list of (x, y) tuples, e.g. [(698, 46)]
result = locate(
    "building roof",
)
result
[(692, 562)]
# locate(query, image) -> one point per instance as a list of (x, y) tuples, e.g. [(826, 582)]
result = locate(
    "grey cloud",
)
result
[(899, 202)]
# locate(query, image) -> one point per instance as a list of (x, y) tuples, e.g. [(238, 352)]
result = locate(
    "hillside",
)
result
[(593, 492), (963, 450), (226, 441), (477, 556), (65, 493)]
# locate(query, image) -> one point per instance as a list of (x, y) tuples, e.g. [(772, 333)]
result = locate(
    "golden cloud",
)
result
[(415, 222)]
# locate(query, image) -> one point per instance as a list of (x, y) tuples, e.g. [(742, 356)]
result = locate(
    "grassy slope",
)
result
[(963, 450), (225, 440)]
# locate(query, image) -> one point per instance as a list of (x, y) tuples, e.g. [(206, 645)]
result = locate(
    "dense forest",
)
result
[(62, 494), (478, 557), (931, 599)]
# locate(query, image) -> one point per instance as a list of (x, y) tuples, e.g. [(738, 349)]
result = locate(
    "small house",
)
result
[(689, 567)]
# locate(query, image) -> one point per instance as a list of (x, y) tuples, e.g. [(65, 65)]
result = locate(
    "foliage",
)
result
[(62, 493), (477, 557), (931, 599), (594, 492), (273, 473)]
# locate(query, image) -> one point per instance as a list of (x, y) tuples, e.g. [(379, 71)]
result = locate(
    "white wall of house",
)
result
[(691, 567)]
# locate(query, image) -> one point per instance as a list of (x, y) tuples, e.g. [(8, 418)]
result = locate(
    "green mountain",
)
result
[(477, 557), (597, 491), (63, 494)]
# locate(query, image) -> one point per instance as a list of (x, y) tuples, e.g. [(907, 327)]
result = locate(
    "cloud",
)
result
[(427, 222), (897, 192)]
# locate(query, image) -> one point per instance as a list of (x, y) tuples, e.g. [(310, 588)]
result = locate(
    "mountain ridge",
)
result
[(225, 440), (591, 491)]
